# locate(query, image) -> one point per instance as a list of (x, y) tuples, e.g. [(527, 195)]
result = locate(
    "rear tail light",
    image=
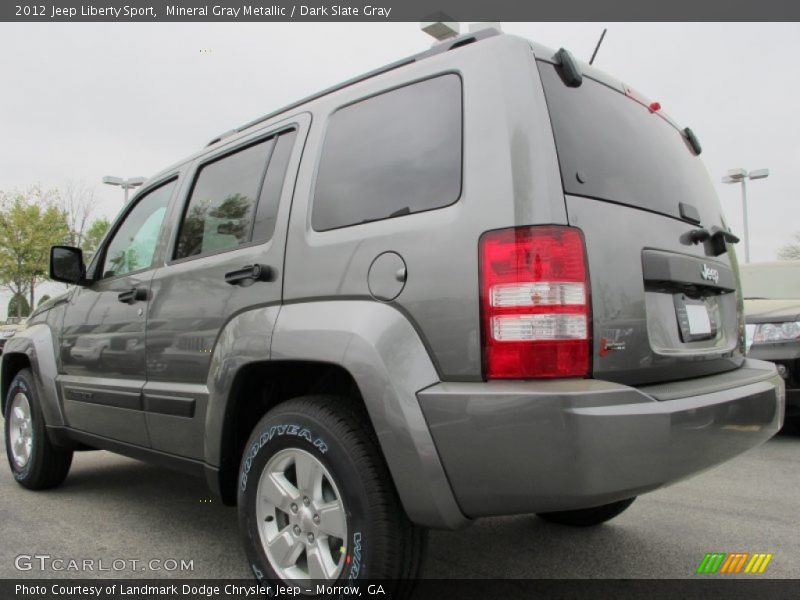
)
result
[(535, 303)]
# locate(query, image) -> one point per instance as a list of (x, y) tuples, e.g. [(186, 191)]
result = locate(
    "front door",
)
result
[(233, 220), (103, 337)]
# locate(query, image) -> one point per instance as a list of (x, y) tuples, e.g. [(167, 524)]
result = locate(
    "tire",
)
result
[(353, 514), (586, 517), (35, 462)]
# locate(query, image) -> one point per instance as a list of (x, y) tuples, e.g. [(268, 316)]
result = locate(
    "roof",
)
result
[(439, 48)]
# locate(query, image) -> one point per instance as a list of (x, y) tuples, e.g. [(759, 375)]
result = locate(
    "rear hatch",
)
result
[(665, 304)]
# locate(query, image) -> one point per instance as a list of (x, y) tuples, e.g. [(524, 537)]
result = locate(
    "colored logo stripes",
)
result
[(736, 562)]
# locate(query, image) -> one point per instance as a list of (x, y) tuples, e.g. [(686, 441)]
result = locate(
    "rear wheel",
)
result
[(35, 462), (316, 500), (586, 517)]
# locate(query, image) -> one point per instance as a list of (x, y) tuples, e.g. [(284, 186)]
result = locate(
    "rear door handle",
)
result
[(134, 294), (250, 273)]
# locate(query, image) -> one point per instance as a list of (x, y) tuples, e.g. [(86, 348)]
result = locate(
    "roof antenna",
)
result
[(596, 48)]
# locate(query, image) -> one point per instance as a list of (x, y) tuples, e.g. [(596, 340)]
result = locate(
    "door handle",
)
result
[(250, 273), (134, 294)]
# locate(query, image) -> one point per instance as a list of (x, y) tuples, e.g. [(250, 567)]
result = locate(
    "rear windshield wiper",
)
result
[(716, 237), (401, 212)]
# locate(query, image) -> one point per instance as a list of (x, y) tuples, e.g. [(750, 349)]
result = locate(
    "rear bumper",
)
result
[(522, 447)]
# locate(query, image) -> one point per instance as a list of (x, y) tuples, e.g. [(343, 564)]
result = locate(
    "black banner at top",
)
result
[(396, 10)]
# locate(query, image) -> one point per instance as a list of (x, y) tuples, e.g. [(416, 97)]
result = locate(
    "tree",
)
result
[(95, 233), (30, 222), (43, 299), (18, 306), (78, 204), (791, 251)]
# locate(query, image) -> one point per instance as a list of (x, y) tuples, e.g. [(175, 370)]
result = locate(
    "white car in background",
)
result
[(9, 328), (771, 293)]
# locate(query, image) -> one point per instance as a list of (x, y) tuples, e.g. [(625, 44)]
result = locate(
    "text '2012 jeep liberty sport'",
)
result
[(485, 280)]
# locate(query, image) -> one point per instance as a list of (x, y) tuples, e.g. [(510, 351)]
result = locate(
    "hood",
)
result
[(771, 311), (47, 305)]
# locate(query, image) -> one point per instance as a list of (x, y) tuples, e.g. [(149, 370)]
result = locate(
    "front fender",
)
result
[(37, 345)]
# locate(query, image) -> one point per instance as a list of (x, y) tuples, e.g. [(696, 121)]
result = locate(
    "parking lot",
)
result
[(116, 508)]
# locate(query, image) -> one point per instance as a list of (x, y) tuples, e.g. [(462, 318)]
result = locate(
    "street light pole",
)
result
[(125, 184), (744, 220), (741, 176)]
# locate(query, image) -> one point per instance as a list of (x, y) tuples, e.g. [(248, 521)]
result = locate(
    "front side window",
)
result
[(134, 243), (391, 155)]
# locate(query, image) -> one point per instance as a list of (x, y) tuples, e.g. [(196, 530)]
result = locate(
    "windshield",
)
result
[(612, 148), (773, 282)]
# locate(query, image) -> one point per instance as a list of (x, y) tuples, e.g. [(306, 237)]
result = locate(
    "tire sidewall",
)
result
[(294, 429), (23, 384)]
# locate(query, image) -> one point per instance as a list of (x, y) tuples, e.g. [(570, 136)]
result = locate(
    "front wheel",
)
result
[(35, 462), (586, 517), (316, 501)]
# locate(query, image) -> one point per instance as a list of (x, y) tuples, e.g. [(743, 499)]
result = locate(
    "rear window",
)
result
[(391, 155), (611, 147)]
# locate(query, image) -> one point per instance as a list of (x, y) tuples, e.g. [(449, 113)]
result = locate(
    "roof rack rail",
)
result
[(439, 48)]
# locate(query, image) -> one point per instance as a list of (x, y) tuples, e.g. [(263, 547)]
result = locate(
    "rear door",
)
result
[(664, 305), (232, 221)]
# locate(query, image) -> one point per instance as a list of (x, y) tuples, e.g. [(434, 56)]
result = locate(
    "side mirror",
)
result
[(66, 265)]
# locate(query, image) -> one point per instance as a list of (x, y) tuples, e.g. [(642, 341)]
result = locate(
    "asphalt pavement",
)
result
[(113, 508)]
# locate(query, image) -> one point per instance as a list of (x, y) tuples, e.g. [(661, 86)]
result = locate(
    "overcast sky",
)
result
[(80, 101)]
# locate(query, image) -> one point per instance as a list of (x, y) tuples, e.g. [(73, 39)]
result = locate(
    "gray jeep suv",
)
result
[(484, 280)]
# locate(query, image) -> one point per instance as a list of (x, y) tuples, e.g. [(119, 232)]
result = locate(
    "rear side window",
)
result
[(612, 148), (391, 155), (235, 199)]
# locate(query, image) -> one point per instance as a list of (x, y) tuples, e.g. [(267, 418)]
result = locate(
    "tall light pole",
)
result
[(125, 184), (741, 176)]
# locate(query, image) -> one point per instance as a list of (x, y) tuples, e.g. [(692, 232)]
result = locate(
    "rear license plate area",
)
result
[(696, 320)]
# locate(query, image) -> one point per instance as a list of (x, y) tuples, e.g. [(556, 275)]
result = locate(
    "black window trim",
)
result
[(313, 191), (99, 258), (287, 131), (216, 157)]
